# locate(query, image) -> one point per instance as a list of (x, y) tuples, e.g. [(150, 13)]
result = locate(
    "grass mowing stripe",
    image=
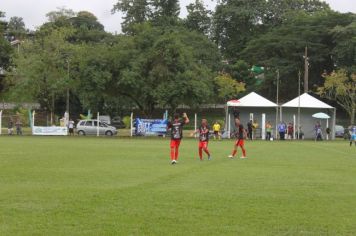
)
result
[(99, 186)]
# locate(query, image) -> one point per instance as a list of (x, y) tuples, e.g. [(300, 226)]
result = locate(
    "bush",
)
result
[(127, 121)]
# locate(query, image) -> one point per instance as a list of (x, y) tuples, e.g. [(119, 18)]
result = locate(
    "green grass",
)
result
[(123, 186)]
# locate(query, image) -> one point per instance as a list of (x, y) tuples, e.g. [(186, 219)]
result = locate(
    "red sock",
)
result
[(243, 151), (176, 154), (172, 154), (234, 153), (200, 154), (206, 151)]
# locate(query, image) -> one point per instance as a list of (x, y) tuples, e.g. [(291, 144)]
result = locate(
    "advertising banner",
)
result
[(149, 127), (50, 130)]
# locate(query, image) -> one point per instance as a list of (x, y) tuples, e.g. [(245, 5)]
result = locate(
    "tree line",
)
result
[(161, 59)]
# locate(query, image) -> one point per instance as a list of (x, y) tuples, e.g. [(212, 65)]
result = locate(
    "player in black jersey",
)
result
[(240, 142), (176, 127), (203, 132)]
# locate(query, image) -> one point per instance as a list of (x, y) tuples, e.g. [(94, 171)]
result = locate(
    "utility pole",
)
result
[(277, 97), (306, 69), (67, 100), (298, 127)]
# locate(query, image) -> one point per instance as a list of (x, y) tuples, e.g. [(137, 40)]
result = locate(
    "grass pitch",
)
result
[(105, 186)]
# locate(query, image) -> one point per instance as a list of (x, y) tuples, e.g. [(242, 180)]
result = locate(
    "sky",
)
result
[(34, 11)]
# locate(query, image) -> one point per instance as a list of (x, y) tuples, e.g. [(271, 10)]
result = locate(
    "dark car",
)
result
[(118, 123)]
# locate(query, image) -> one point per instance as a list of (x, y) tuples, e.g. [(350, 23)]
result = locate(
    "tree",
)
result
[(227, 87), (283, 48), (60, 15), (237, 22), (41, 69), (16, 28), (135, 11), (5, 47), (344, 38), (341, 87), (198, 18)]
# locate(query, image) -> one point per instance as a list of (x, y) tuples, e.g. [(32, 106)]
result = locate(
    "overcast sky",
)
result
[(34, 11)]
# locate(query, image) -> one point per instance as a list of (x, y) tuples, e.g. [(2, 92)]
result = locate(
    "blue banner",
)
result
[(146, 127)]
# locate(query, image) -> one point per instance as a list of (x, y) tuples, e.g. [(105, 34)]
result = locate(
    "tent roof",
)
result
[(251, 100), (307, 101)]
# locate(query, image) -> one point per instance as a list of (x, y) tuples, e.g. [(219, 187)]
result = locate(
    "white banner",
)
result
[(49, 130)]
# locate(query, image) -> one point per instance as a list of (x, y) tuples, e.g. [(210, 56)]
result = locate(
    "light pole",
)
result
[(306, 70), (298, 105), (277, 97), (68, 77)]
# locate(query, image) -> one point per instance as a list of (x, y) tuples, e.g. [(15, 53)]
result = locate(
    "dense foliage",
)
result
[(162, 60)]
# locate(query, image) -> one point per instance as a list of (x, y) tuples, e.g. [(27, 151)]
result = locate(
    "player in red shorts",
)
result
[(176, 127), (203, 138), (240, 142)]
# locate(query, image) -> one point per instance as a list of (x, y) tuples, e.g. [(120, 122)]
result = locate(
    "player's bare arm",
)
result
[(186, 119)]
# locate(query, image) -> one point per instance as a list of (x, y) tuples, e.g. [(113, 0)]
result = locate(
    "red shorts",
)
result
[(203, 144), (240, 142), (175, 143)]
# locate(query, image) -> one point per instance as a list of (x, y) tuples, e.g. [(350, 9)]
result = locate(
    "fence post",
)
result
[(1, 122), (97, 125), (195, 122), (131, 124)]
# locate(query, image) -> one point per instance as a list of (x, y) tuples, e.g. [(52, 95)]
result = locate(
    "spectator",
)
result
[(268, 130), (282, 130), (10, 127), (254, 127), (18, 127), (290, 131), (71, 127), (318, 131), (249, 130)]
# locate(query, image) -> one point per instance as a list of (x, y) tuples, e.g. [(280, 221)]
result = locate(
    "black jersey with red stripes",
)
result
[(240, 134), (176, 129), (204, 133)]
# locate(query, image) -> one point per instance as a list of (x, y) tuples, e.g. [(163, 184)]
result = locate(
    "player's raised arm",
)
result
[(186, 119)]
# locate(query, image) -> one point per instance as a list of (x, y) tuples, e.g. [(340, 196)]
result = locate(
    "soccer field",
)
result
[(123, 186)]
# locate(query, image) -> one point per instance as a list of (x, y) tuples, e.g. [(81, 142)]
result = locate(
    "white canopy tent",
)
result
[(251, 107), (308, 105)]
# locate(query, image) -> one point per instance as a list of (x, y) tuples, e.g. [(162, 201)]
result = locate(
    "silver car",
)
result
[(89, 127)]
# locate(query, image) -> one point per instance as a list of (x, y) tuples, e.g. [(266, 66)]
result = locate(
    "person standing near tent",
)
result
[(240, 142), (249, 129), (290, 131), (216, 129), (282, 130), (10, 126), (318, 132), (255, 126), (71, 127), (176, 127), (268, 131), (18, 126), (203, 138), (353, 135)]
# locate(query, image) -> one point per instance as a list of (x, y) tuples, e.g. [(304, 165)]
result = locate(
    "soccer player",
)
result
[(176, 127), (240, 142), (203, 138), (216, 128)]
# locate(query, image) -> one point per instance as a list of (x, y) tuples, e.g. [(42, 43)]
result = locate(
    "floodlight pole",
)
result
[(306, 70), (298, 105), (277, 97), (67, 99)]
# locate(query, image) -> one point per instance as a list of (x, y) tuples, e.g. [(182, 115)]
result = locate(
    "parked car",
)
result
[(89, 127), (339, 131), (118, 123)]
